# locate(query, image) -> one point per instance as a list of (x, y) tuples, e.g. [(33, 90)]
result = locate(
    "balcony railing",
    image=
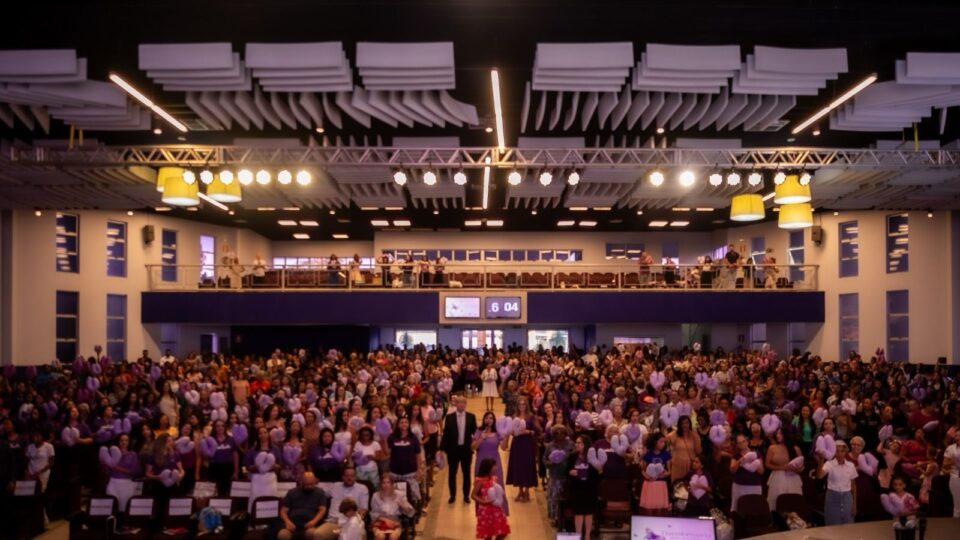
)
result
[(486, 275)]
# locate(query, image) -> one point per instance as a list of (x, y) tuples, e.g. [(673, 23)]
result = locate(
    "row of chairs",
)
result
[(145, 519)]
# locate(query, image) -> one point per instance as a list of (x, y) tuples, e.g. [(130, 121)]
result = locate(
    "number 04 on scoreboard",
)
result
[(503, 307)]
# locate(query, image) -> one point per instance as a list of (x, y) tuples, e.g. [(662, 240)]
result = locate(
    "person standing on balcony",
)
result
[(732, 261), (770, 270), (438, 268), (333, 270), (356, 277), (645, 261), (259, 269)]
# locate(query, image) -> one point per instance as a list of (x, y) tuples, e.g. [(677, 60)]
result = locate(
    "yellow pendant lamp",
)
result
[(795, 216), (176, 191), (224, 188), (791, 191), (747, 207)]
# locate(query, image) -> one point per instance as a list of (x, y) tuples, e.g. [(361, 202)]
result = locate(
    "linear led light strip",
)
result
[(218, 204), (486, 183), (836, 103), (147, 102), (497, 109)]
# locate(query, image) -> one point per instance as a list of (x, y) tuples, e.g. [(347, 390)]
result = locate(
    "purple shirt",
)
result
[(403, 454), (130, 463), (225, 450), (325, 467)]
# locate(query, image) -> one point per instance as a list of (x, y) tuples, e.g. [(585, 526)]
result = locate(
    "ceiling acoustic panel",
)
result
[(406, 66), (582, 67)]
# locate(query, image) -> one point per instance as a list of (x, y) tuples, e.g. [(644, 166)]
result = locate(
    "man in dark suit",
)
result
[(458, 429)]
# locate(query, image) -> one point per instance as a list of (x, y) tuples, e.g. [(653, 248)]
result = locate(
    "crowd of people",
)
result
[(364, 433)]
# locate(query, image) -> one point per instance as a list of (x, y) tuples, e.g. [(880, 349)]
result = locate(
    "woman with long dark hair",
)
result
[(583, 487), (406, 458), (522, 464), (784, 474), (487, 444)]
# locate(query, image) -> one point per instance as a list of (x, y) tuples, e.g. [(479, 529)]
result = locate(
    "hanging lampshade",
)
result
[(796, 216), (747, 207), (791, 191), (175, 190), (225, 193)]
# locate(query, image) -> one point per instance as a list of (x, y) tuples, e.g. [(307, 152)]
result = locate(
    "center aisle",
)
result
[(528, 520)]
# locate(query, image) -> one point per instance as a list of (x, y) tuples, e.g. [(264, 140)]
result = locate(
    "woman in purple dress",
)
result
[(487, 444), (121, 484), (522, 466)]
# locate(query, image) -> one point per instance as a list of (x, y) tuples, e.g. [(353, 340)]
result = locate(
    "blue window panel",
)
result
[(519, 255), (504, 254), (116, 328), (168, 255), (576, 255), (116, 305), (66, 328), (67, 303), (898, 326), (67, 324), (533, 255), (491, 255), (849, 234), (849, 324), (473, 255), (117, 350), (546, 255), (796, 255), (447, 254), (116, 249), (432, 254), (898, 243), (459, 254), (68, 243)]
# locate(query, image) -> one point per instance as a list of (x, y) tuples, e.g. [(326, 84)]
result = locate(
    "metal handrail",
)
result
[(485, 275)]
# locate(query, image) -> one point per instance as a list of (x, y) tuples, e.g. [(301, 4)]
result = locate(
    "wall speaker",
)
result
[(816, 234), (147, 234)]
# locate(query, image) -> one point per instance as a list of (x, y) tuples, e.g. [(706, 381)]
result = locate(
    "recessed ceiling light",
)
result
[(401, 223), (514, 178), (658, 223), (578, 208), (679, 223), (656, 178), (488, 129), (602, 208), (231, 212), (340, 236), (287, 223), (393, 208), (836, 213), (565, 223), (704, 209), (680, 209), (573, 178), (369, 208), (660, 130), (309, 223), (588, 223), (472, 223), (379, 223), (769, 196), (639, 212), (130, 212), (533, 212), (333, 212), (320, 130), (158, 209), (791, 139), (816, 132), (494, 223), (291, 208), (436, 212), (157, 131), (301, 236), (192, 209)]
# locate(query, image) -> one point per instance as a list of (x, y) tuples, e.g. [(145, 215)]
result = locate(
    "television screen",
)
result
[(461, 307), (671, 528)]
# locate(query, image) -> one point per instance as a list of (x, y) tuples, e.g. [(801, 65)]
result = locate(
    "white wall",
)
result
[(36, 281)]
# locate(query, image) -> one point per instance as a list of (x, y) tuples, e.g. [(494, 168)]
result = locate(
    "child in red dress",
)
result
[(489, 496)]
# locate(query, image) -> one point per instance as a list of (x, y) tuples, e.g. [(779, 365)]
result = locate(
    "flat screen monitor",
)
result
[(461, 307), (671, 528)]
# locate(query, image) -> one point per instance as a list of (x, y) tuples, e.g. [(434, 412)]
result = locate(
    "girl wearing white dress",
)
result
[(489, 393)]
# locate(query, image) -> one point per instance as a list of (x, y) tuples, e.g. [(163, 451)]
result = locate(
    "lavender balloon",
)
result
[(105, 363), (183, 445), (50, 407), (208, 447), (633, 432), (93, 384), (155, 373), (360, 459), (291, 455), (277, 435), (717, 418), (240, 434), (382, 428), (95, 369), (557, 457), (740, 402), (338, 450)]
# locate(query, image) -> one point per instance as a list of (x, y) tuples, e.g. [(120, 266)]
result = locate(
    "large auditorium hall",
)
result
[(492, 269)]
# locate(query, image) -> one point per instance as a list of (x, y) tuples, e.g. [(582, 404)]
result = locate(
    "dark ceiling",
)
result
[(487, 33)]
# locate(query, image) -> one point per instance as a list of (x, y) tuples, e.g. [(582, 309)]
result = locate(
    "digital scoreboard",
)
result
[(503, 307)]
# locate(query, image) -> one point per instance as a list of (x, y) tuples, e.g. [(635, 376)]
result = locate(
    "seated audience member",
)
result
[(303, 509), (340, 492), (387, 508)]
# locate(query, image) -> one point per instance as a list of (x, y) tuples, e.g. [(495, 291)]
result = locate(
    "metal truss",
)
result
[(479, 157)]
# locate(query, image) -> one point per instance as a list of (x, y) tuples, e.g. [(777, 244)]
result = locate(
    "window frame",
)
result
[(897, 344), (64, 233), (63, 315), (168, 270), (848, 233), (117, 343), (120, 239), (892, 240), (847, 344)]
